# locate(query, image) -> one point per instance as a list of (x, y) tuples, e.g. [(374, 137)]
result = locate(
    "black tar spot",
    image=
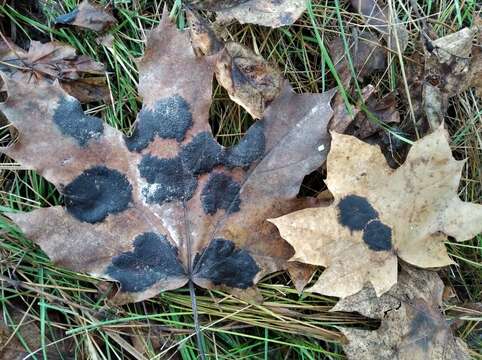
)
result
[(202, 154), (221, 192), (422, 329), (168, 179), (355, 212), (67, 19), (249, 149), (96, 193), (71, 120), (170, 119), (223, 264), (378, 236), (153, 259)]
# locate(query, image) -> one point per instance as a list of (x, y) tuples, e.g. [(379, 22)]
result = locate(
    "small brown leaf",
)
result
[(378, 16), (412, 327), (249, 79), (452, 65), (380, 214), (87, 16), (45, 63), (272, 13)]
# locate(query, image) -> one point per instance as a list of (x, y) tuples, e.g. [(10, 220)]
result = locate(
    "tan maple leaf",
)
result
[(412, 325), (87, 16), (379, 214), (168, 204)]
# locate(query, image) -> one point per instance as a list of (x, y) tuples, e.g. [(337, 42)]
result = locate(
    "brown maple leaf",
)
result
[(412, 325), (167, 204), (379, 214), (262, 12), (79, 75), (87, 16)]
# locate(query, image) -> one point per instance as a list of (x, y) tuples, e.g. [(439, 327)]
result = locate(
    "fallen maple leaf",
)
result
[(262, 12), (55, 61), (412, 325), (87, 16), (378, 17), (168, 203), (380, 213)]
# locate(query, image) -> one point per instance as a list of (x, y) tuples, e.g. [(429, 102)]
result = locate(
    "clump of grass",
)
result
[(71, 311)]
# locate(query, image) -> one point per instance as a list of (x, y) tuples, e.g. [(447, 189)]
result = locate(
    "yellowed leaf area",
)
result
[(379, 213)]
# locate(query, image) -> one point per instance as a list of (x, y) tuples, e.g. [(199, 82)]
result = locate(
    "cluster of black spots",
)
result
[(223, 264), (71, 120), (170, 119), (221, 192), (357, 214), (153, 259), (96, 193), (169, 180), (176, 178)]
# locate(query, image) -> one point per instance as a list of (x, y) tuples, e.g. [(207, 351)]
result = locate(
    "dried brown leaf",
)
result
[(167, 204), (452, 65), (272, 13), (87, 16), (45, 63), (377, 15), (412, 325), (380, 214)]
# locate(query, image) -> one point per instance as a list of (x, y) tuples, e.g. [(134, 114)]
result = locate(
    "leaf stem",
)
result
[(197, 328)]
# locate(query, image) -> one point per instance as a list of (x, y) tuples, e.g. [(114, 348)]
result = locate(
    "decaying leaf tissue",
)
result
[(167, 203)]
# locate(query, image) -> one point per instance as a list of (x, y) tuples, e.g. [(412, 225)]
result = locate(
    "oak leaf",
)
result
[(412, 325), (87, 16), (272, 13), (379, 214), (79, 75), (167, 204)]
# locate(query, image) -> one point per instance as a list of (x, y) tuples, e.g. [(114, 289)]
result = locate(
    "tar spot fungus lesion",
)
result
[(224, 264), (96, 193), (71, 120), (357, 214), (167, 179), (221, 192), (153, 259), (176, 178), (170, 118)]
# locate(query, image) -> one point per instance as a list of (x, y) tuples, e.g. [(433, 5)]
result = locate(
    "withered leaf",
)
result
[(272, 13), (380, 213), (452, 65), (79, 75), (384, 110), (377, 15), (412, 325), (366, 54), (250, 80), (168, 203), (87, 16)]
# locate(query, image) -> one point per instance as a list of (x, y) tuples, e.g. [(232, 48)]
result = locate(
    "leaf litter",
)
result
[(169, 204)]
